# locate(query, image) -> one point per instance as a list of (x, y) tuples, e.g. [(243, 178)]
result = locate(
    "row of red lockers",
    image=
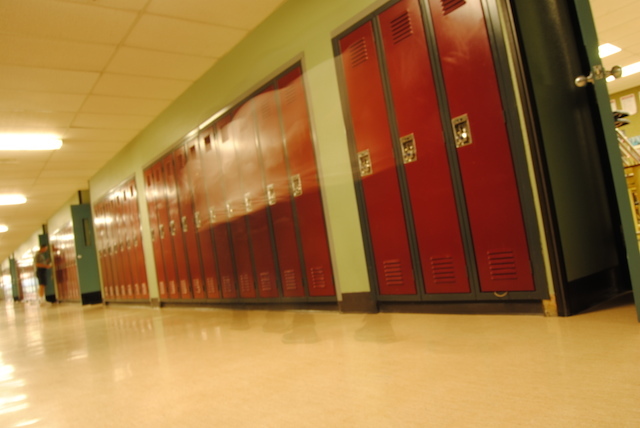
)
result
[(234, 212), (63, 250)]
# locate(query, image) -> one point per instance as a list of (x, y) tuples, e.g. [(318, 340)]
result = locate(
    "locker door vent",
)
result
[(290, 279), (288, 94), (317, 277), (502, 265), (227, 284), (449, 6), (401, 28), (245, 282), (266, 110), (358, 52), (443, 271), (393, 273), (265, 281)]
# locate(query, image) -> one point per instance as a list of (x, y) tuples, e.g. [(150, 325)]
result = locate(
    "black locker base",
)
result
[(358, 303), (91, 298), (465, 308), (246, 304)]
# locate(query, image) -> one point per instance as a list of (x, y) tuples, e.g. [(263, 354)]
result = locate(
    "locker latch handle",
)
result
[(185, 224), (247, 202), (461, 130), (271, 194), (196, 219), (364, 162), (296, 185), (408, 146), (212, 216), (153, 235), (172, 228)]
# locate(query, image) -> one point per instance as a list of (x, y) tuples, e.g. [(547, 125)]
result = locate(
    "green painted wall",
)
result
[(298, 29)]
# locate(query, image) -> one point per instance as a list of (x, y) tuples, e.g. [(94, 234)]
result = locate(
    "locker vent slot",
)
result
[(265, 281), (266, 110), (207, 143), (245, 281), (288, 95), (317, 277), (502, 265), (449, 6), (443, 272), (227, 284), (401, 28), (290, 279), (393, 273), (358, 52)]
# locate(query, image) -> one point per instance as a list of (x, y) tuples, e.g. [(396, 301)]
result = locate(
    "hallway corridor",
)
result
[(67, 366)]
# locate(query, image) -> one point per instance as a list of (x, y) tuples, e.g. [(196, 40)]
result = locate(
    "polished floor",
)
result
[(119, 366)]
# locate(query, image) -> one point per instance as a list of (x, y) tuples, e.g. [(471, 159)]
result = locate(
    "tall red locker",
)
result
[(128, 241), (165, 230), (150, 192), (187, 221), (484, 154), (387, 226), (136, 239), (175, 227), (202, 219), (421, 141), (111, 248), (304, 184), (123, 244), (219, 215), (243, 131), (118, 251), (101, 246), (270, 141)]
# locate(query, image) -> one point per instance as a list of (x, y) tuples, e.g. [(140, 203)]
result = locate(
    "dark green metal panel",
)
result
[(86, 257), (13, 268)]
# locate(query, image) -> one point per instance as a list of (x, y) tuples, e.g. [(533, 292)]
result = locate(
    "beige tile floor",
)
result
[(119, 366)]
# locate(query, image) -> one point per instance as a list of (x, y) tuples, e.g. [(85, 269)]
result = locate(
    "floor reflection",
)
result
[(303, 329), (376, 328)]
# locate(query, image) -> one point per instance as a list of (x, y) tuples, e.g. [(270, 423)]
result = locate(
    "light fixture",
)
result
[(3, 228), (627, 70), (607, 49), (12, 199), (29, 142)]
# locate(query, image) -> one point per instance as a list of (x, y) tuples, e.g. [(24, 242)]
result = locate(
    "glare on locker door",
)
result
[(270, 141), (484, 154), (162, 211), (422, 144), (236, 206), (304, 184), (376, 163), (150, 194), (202, 219), (187, 221), (255, 200)]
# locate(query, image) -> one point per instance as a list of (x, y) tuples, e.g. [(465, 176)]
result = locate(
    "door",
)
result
[(87, 259)]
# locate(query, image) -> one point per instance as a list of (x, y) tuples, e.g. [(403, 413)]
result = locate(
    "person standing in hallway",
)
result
[(42, 262)]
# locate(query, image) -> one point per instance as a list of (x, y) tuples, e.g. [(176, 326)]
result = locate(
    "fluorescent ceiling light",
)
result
[(29, 142), (3, 228), (627, 70), (607, 49), (12, 199)]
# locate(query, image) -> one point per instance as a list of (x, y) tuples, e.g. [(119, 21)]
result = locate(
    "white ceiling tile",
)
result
[(140, 87), (56, 54), (12, 100), (144, 62), (108, 121), (97, 134), (72, 173), (117, 4), (65, 21), (123, 105), (46, 80), (185, 37), (101, 148), (243, 14), (15, 121)]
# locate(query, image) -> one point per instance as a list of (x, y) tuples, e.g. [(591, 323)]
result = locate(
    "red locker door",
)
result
[(202, 219), (305, 186), (123, 244), (162, 211), (150, 192), (219, 212), (128, 233), (422, 143), (136, 242), (187, 221), (387, 227), (112, 249), (100, 247), (488, 177), (278, 194), (175, 227), (255, 201)]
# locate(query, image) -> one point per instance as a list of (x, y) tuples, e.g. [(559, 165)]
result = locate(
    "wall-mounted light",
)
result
[(12, 199), (3, 228), (29, 142)]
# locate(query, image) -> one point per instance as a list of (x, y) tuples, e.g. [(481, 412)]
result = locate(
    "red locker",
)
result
[(219, 214), (100, 246), (136, 240), (123, 245), (484, 154), (243, 129), (304, 184), (202, 219), (377, 167), (109, 270), (128, 239), (238, 200), (270, 140), (187, 221), (110, 248), (422, 143), (150, 193), (175, 227), (164, 229)]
